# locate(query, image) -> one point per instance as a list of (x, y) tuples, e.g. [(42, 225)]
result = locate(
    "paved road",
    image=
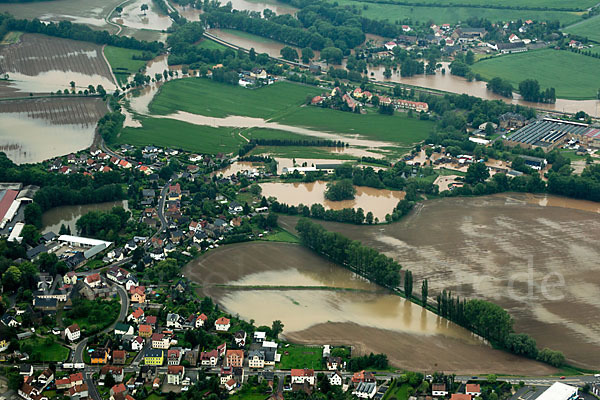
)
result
[(161, 212)]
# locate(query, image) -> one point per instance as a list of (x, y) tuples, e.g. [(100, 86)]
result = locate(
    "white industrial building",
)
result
[(559, 391)]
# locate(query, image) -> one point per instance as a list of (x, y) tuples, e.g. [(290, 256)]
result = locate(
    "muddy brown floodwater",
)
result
[(68, 215), (536, 256), (378, 201), (33, 130), (42, 64), (303, 290)]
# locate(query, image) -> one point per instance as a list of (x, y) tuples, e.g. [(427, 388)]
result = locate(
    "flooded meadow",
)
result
[(378, 201), (68, 215), (534, 255), (319, 302)]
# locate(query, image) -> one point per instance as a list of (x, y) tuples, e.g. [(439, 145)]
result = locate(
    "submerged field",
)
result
[(534, 256), (32, 130), (551, 68), (41, 64), (319, 302)]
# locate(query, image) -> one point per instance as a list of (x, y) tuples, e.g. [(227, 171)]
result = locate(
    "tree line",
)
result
[(103, 225), (69, 30), (350, 254)]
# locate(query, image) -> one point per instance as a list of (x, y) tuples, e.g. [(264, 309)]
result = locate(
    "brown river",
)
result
[(267, 281)]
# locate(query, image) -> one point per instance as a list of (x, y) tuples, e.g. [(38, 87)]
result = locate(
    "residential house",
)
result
[(119, 357), (154, 357), (118, 389), (365, 390), (334, 363), (439, 390), (4, 345), (222, 349), (222, 324), (256, 359), (473, 389), (116, 372), (234, 358), (209, 358), (175, 374), (230, 385), (200, 320), (93, 280), (260, 337), (363, 376), (181, 286), (73, 333), (335, 378), (160, 341), (174, 357), (70, 278), (174, 321), (300, 376), (226, 374), (138, 294), (145, 330), (123, 329), (99, 356), (136, 316), (137, 343), (10, 321), (240, 338), (460, 396)]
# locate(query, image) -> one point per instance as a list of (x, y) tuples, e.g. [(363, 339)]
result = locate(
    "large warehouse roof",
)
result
[(559, 391), (6, 199), (82, 240), (546, 132)]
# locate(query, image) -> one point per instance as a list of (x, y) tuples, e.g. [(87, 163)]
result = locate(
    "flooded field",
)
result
[(260, 5), (239, 166), (89, 12), (133, 17), (456, 84), (68, 215), (43, 64), (246, 41), (379, 201), (314, 310), (36, 130), (536, 256)]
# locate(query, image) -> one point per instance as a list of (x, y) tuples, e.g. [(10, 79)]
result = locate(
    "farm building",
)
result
[(546, 134), (559, 391)]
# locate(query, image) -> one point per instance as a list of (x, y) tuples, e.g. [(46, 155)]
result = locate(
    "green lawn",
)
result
[(282, 236), (214, 99), (249, 396), (398, 392), (165, 132), (11, 37), (589, 28), (122, 63), (301, 152), (296, 356), (398, 128), (552, 68), (451, 15), (209, 44), (37, 347), (525, 4)]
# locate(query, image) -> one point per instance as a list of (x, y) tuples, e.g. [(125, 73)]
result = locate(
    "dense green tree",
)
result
[(424, 292), (477, 173), (341, 190)]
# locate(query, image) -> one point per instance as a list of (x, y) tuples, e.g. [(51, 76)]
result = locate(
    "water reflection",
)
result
[(68, 215), (379, 201)]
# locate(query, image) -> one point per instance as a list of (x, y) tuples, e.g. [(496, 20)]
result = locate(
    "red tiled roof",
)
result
[(303, 372)]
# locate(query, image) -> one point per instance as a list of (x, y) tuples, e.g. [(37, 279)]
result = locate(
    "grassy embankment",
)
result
[(11, 37), (551, 68), (54, 352), (589, 28), (282, 102), (122, 63)]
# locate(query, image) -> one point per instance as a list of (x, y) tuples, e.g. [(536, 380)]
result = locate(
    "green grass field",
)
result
[(11, 37), (282, 236), (574, 76), (526, 4), (209, 44), (301, 152), (296, 356), (451, 15), (165, 132), (46, 353), (398, 128), (214, 99), (589, 28), (397, 392), (121, 62)]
